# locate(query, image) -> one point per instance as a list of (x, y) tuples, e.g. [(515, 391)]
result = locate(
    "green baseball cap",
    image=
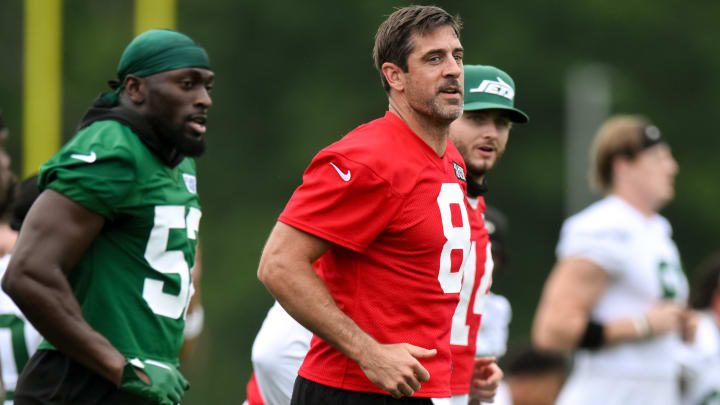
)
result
[(487, 87)]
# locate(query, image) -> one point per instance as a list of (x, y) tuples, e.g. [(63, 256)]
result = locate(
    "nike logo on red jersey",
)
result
[(344, 176)]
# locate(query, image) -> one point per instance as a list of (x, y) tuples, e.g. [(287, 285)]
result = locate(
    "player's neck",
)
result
[(636, 200), (434, 134)]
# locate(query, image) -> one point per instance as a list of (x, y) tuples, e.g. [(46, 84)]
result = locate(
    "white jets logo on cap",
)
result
[(499, 87)]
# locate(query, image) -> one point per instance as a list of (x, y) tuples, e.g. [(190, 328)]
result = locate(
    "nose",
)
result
[(674, 167), (453, 67), (203, 99)]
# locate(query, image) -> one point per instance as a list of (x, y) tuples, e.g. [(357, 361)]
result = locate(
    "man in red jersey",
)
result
[(480, 134), (381, 216)]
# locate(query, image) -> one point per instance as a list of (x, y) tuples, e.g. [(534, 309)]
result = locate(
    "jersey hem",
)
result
[(367, 388), (460, 389)]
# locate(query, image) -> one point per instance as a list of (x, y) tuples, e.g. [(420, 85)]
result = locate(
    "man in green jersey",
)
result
[(102, 267)]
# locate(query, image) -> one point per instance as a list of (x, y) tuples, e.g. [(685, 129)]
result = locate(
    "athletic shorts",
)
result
[(51, 378), (306, 392)]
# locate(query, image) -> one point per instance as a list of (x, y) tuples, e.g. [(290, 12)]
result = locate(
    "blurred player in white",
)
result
[(493, 334), (18, 338), (617, 293), (279, 349), (702, 360)]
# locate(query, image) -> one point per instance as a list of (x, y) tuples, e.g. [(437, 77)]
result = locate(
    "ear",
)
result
[(394, 76), (619, 165), (136, 88)]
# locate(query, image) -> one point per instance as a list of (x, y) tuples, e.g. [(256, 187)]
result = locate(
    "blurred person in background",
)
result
[(492, 336), (617, 294), (481, 135), (19, 339), (368, 251), (102, 266), (532, 377), (8, 188), (195, 317), (702, 360)]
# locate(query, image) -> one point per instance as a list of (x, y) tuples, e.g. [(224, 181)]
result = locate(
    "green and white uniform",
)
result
[(643, 267), (133, 283), (18, 339)]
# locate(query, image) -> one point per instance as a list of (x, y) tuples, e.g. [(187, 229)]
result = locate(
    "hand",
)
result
[(154, 380), (395, 368), (485, 379), (664, 317)]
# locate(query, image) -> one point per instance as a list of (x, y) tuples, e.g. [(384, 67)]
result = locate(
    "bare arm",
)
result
[(570, 293), (55, 234), (194, 320), (287, 272)]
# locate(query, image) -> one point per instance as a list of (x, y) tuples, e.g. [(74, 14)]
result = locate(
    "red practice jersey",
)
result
[(396, 215), (468, 313)]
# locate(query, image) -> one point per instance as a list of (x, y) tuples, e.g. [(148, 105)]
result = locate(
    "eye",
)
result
[(502, 122), (187, 84), (209, 87), (459, 58), (434, 59)]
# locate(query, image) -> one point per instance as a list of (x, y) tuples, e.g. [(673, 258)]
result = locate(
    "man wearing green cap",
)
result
[(480, 134), (102, 268)]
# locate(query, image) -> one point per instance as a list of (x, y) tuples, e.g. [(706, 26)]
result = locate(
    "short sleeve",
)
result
[(94, 174), (602, 245), (342, 201)]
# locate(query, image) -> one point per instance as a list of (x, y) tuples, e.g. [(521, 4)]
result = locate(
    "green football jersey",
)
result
[(133, 283)]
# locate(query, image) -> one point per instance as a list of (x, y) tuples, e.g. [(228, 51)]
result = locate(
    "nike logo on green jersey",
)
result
[(92, 157)]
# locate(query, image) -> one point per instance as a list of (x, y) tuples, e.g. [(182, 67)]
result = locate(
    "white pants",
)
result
[(620, 390), (454, 400)]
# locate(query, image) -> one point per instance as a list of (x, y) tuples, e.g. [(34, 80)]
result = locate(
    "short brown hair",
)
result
[(393, 39), (620, 135)]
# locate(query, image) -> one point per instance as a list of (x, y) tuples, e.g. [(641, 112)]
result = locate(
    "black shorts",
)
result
[(306, 392), (51, 378)]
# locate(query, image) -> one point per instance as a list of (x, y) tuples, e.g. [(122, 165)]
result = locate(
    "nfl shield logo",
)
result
[(190, 182), (459, 172)]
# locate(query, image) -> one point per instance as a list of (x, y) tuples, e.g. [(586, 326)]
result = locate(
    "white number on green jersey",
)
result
[(457, 237), (165, 261), (15, 352), (460, 329)]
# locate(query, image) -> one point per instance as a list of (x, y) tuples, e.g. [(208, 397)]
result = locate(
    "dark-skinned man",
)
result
[(102, 266)]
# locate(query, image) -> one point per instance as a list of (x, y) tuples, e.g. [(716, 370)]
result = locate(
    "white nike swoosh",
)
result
[(344, 176), (85, 158), (158, 364)]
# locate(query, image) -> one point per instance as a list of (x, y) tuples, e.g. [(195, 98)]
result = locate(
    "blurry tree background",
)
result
[(294, 76)]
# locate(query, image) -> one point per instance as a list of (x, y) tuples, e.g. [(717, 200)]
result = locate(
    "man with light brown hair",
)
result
[(617, 293), (369, 250)]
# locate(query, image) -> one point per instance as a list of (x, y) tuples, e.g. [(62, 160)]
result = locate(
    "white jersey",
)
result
[(643, 267), (18, 338), (278, 351), (503, 395), (493, 333), (702, 364)]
